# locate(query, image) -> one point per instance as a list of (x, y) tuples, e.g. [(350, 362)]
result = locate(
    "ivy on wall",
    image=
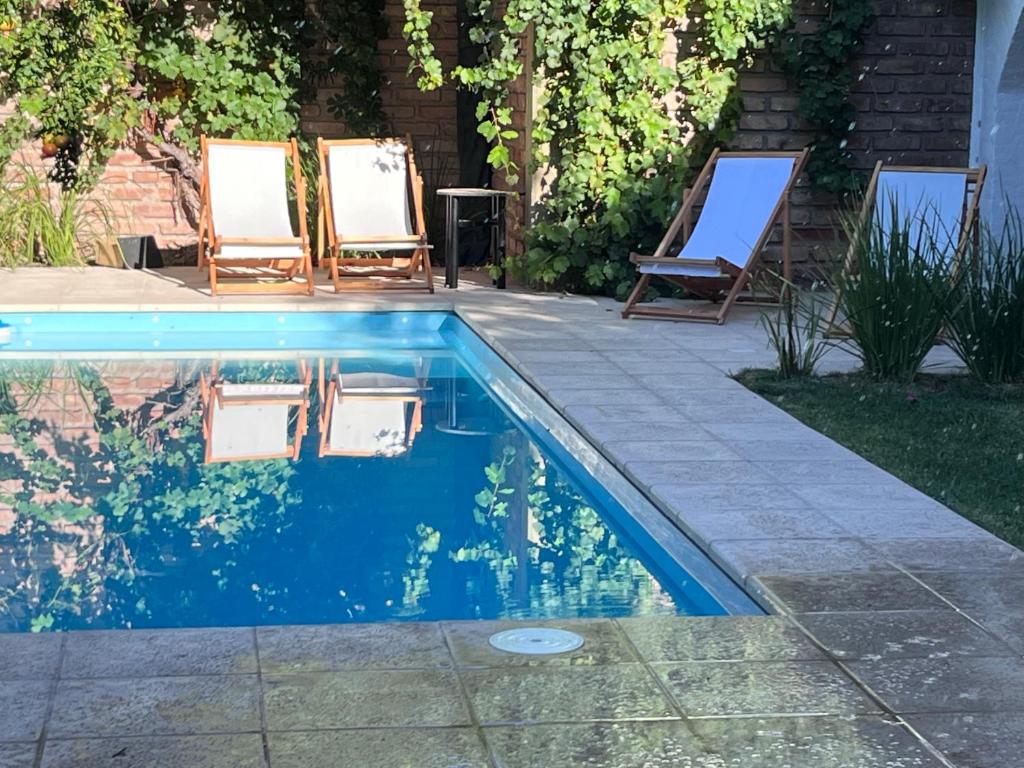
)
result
[(819, 65), (617, 127)]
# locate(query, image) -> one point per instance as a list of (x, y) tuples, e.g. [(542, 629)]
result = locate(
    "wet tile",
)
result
[(363, 699), (946, 685), (779, 557), (901, 635), (230, 751), (23, 706), (379, 748), (27, 656), (983, 740), (157, 705), (663, 744), (993, 591), (714, 638), (954, 554), (154, 653), (709, 688), (603, 643), (823, 592), (813, 742), (17, 755), (619, 692), (351, 646)]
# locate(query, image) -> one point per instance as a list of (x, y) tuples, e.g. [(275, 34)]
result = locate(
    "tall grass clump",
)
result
[(896, 294), (986, 316), (795, 332), (40, 223)]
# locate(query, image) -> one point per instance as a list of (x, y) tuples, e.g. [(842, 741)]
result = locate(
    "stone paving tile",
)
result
[(787, 450), (29, 656), (675, 472), (626, 412), (223, 751), (712, 689), (155, 706), (959, 684), (839, 591), (813, 742), (824, 472), (715, 413), (17, 755), (728, 496), (718, 638), (953, 555), (363, 699), (379, 748), (625, 451), (574, 693), (883, 492), (982, 740), (618, 431), (664, 744), (23, 708), (587, 396), (154, 653), (901, 635), (759, 558), (574, 380), (603, 643), (715, 525), (351, 646), (883, 522), (993, 599)]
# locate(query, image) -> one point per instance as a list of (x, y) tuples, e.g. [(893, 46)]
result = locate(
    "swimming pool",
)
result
[(246, 468)]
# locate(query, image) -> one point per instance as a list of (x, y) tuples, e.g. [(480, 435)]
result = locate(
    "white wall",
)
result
[(997, 119)]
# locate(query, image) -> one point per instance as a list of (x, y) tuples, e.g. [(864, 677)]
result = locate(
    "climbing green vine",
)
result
[(819, 65), (617, 124)]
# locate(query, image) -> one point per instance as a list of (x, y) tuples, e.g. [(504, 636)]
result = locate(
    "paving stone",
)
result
[(715, 413), (978, 589), (712, 688), (154, 653), (363, 699), (881, 522), (574, 693), (352, 646), (823, 472), (23, 708), (713, 525), (223, 751), (728, 496), (29, 656), (626, 411), (882, 493), (901, 635), (618, 431), (17, 755), (760, 558), (717, 638), (575, 380), (156, 705), (982, 740), (676, 472), (953, 554), (787, 450), (570, 397), (823, 592), (664, 744), (379, 748), (813, 742), (603, 643), (959, 684), (625, 451)]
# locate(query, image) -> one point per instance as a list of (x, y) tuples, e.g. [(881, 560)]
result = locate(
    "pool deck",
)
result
[(898, 639)]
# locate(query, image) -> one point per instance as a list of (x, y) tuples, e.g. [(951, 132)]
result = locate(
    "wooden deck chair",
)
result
[(945, 201), (365, 192), (368, 414), (249, 422), (748, 195), (245, 230)]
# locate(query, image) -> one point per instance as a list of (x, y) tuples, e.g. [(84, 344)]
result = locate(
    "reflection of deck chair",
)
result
[(368, 414), (245, 230), (943, 202), (366, 187), (748, 195), (246, 422)]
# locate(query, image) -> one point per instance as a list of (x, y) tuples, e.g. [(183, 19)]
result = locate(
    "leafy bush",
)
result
[(896, 295), (795, 332), (986, 319)]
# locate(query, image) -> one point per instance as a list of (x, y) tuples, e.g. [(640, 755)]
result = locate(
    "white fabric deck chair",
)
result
[(245, 230), (748, 195), (369, 414), (247, 422), (941, 203), (365, 192)]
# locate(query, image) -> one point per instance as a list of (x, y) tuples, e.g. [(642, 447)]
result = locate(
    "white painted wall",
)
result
[(997, 119)]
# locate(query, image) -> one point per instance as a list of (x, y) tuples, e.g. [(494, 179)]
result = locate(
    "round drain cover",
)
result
[(536, 641)]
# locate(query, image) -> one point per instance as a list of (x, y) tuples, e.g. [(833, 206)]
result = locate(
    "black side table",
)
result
[(495, 221)]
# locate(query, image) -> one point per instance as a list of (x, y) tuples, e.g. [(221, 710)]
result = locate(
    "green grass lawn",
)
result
[(956, 440)]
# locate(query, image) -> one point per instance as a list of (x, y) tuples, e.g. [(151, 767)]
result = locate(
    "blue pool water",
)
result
[(434, 488)]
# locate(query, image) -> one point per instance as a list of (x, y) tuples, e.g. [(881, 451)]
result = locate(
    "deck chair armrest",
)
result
[(637, 258)]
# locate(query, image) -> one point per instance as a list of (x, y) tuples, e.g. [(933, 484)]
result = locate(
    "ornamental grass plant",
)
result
[(795, 332)]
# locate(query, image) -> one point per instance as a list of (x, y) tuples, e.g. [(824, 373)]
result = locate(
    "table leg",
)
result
[(498, 209)]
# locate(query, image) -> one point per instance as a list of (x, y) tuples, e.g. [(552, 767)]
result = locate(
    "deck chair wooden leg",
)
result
[(425, 258), (637, 293), (213, 277)]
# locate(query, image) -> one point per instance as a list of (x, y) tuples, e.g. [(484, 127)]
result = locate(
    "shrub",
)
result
[(895, 297), (794, 332), (986, 318)]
